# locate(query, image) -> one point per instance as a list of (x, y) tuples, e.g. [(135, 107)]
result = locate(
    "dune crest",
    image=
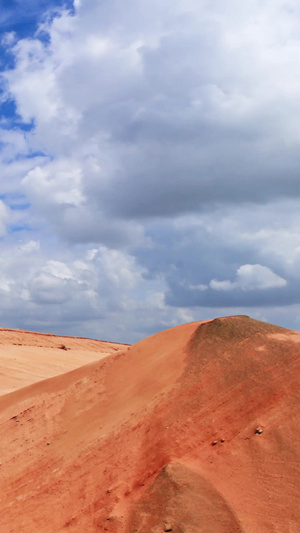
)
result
[(195, 429)]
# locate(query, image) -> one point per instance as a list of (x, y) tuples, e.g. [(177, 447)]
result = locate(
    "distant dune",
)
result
[(195, 429), (27, 357)]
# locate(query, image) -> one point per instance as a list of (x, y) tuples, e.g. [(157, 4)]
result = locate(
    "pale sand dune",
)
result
[(27, 357), (193, 430)]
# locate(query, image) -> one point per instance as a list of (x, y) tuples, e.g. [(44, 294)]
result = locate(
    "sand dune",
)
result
[(27, 357), (195, 429)]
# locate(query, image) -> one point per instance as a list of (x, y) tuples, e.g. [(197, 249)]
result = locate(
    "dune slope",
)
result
[(195, 429), (27, 357)]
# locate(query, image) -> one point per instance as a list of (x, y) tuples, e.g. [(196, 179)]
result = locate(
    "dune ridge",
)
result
[(195, 429)]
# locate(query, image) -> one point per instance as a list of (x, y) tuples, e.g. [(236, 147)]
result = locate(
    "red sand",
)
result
[(195, 429)]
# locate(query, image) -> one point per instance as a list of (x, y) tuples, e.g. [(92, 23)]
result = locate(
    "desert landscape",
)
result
[(194, 429)]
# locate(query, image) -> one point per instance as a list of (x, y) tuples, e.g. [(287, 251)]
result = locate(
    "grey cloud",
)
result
[(204, 260), (194, 251), (86, 225), (179, 123), (175, 158)]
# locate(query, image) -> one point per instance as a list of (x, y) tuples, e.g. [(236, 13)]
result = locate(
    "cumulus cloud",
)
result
[(156, 147), (95, 292), (179, 106), (54, 184), (250, 277)]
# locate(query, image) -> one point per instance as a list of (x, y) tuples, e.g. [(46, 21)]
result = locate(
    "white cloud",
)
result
[(250, 277), (57, 183)]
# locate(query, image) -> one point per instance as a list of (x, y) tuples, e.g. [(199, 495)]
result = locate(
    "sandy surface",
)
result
[(27, 357), (193, 430)]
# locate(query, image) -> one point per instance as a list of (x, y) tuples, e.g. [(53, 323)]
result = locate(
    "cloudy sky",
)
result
[(149, 164)]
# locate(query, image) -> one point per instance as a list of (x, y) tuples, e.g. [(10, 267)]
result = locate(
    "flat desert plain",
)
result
[(195, 429)]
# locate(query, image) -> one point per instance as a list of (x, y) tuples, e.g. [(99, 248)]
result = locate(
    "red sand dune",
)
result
[(195, 429)]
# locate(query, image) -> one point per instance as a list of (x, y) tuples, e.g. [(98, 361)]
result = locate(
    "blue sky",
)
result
[(24, 17), (149, 164)]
